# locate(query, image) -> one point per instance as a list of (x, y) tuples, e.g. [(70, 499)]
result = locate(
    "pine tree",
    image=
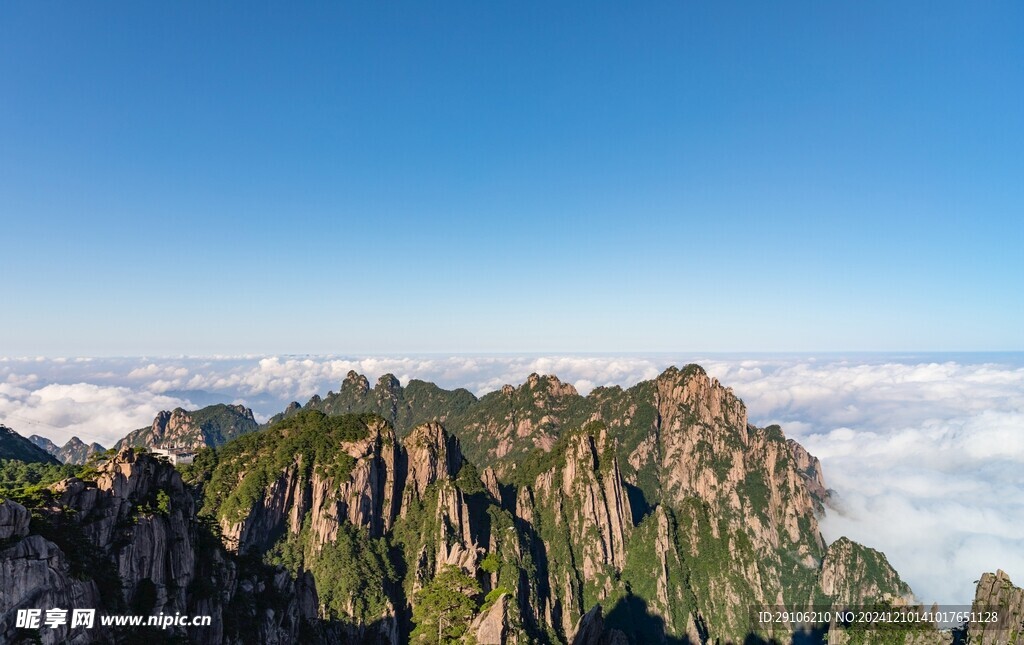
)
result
[(444, 607)]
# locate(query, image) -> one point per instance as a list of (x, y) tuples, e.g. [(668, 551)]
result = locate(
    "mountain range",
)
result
[(393, 514), (14, 446)]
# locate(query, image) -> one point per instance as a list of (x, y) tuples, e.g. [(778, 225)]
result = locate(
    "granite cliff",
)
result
[(207, 427)]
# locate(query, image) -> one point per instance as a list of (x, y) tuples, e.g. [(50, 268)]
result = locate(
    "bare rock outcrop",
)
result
[(456, 541), (491, 627), (703, 438), (590, 630), (491, 484), (810, 470), (852, 574), (996, 592), (367, 495), (192, 429), (431, 455), (35, 574), (135, 527), (155, 540), (580, 501), (14, 520)]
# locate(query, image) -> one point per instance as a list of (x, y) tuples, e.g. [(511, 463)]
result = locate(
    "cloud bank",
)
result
[(925, 453)]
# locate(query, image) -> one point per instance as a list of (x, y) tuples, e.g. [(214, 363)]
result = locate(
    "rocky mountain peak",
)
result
[(355, 383), (388, 382), (75, 451), (549, 385), (853, 574), (44, 443), (169, 426), (995, 591), (388, 392), (135, 475), (179, 428), (242, 411), (701, 397)]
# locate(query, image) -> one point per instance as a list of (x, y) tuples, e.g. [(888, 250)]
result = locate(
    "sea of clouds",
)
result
[(925, 453)]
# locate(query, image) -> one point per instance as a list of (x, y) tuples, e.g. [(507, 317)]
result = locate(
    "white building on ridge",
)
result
[(176, 455)]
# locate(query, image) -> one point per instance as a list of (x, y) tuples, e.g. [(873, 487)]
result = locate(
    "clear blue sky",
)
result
[(201, 177)]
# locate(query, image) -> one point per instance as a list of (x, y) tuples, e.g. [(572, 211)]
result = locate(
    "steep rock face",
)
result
[(590, 630), (659, 573), (449, 531), (324, 509), (155, 540), (455, 536), (132, 544), (491, 483), (746, 522), (365, 494), (591, 477), (579, 509), (790, 510), (996, 592), (855, 575), (491, 627), (210, 426), (35, 574), (432, 454), (810, 470), (14, 519), (709, 452), (734, 523), (370, 496)]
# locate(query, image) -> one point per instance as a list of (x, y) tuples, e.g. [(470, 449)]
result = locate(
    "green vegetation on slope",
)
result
[(15, 446), (405, 407), (213, 426), (444, 608), (247, 465)]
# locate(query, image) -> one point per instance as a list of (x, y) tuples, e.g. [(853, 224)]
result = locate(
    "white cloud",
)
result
[(92, 412)]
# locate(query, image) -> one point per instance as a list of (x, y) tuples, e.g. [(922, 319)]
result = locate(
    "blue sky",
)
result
[(490, 177)]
